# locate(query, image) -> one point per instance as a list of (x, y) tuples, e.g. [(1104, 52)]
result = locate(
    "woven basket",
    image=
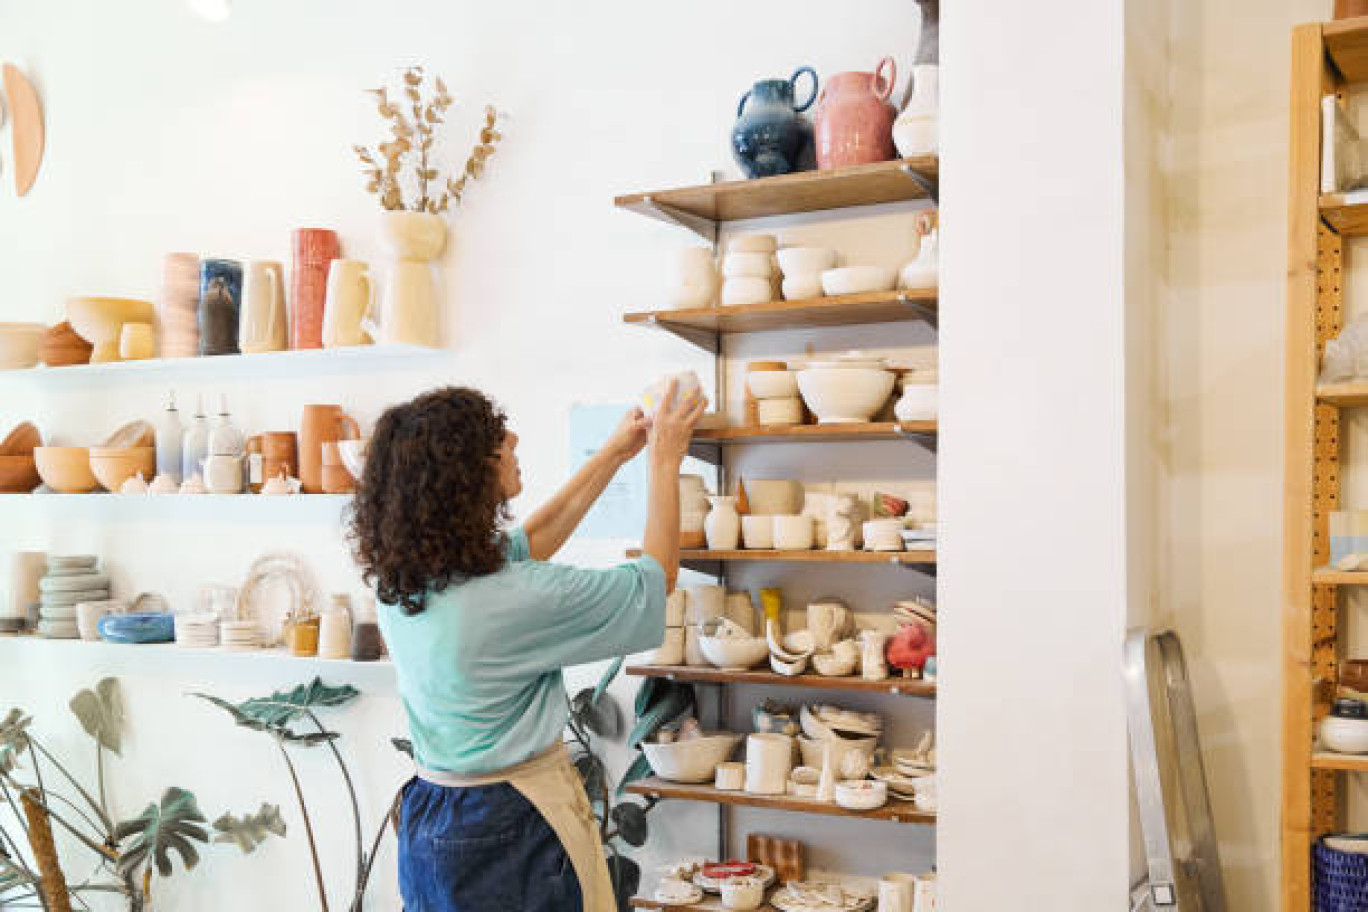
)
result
[(1341, 880)]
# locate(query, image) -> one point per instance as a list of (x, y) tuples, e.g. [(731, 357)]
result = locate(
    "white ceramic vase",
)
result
[(873, 659), (408, 301), (723, 525), (924, 271), (916, 132), (262, 324)]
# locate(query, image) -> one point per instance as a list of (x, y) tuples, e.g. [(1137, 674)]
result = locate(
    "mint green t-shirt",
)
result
[(480, 668)]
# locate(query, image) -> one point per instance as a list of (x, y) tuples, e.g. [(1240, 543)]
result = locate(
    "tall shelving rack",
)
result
[(1326, 57), (702, 209)]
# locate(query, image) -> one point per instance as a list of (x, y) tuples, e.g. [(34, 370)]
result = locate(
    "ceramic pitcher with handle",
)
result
[(854, 119), (350, 300), (769, 137), (320, 424), (262, 326)]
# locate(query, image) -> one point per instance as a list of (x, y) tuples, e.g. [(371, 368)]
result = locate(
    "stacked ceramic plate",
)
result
[(806, 896), (197, 631), (901, 780), (917, 611), (920, 539), (820, 722), (70, 580), (240, 635)]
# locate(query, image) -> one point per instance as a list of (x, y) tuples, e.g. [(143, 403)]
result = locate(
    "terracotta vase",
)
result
[(314, 250), (320, 424), (854, 121), (178, 305)]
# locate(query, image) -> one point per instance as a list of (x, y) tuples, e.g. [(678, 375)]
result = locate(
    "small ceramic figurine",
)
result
[(135, 485), (843, 522), (874, 663), (910, 647), (193, 485)]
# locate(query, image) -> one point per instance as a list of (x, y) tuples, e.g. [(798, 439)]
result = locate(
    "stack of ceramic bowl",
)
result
[(802, 268), (70, 580), (178, 306), (241, 635), (18, 473), (693, 511), (749, 275), (197, 630), (849, 389), (775, 390)]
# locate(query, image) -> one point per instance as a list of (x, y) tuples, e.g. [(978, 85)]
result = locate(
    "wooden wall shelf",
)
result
[(817, 433), (709, 675), (896, 558), (1346, 44), (1345, 395), (1329, 577), (895, 811), (1346, 213), (703, 325), (1352, 763)]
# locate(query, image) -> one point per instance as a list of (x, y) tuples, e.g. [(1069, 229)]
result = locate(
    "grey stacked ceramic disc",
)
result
[(61, 564), (71, 579), (59, 629), (76, 582)]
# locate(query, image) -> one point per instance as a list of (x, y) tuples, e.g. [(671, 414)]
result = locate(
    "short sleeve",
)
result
[(597, 613), (516, 546)]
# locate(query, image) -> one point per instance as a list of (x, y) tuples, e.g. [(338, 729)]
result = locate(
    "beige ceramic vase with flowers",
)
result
[(408, 299)]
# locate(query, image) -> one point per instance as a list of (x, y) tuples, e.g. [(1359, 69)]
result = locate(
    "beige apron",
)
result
[(550, 783)]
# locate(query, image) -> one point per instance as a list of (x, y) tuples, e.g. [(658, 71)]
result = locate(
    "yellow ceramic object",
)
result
[(773, 602), (137, 342), (100, 322)]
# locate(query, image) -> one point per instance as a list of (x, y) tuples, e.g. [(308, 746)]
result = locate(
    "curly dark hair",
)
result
[(429, 509)]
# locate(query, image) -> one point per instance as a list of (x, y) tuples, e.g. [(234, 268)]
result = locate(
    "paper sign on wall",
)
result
[(621, 511)]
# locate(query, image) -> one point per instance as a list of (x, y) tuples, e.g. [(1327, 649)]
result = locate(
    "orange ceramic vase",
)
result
[(314, 250), (320, 424)]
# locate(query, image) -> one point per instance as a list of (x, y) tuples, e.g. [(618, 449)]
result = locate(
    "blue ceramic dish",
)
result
[(149, 627)]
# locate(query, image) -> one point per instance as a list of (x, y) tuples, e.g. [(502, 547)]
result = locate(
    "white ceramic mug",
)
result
[(793, 533), (757, 531), (350, 300), (896, 892), (730, 777), (827, 621), (671, 649), (705, 602), (769, 760), (262, 323), (742, 893)]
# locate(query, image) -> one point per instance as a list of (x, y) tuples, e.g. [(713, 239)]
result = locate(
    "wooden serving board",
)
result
[(26, 112)]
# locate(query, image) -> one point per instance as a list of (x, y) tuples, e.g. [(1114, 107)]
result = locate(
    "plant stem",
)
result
[(375, 849), (53, 884), (99, 811), (356, 810), (99, 776), (308, 825), (23, 824)]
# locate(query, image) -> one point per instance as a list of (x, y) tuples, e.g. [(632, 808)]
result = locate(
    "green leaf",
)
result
[(285, 706), (626, 875), (630, 818), (252, 830), (592, 774), (158, 830), (640, 769), (599, 715), (647, 693), (13, 739), (673, 702), (608, 677), (403, 746), (100, 712)]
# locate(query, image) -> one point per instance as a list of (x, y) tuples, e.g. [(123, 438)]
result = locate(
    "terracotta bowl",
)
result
[(21, 345), (112, 466), (65, 469), (134, 434), (62, 346), (18, 474), (100, 321), (21, 440)]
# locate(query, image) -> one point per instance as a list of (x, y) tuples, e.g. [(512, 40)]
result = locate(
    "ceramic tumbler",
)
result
[(896, 892), (26, 569), (220, 297), (178, 306), (319, 424), (314, 249), (350, 300), (730, 777), (279, 453), (769, 760), (262, 324), (854, 120), (757, 532)]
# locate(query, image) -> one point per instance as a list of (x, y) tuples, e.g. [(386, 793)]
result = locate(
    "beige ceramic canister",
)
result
[(26, 569), (335, 629)]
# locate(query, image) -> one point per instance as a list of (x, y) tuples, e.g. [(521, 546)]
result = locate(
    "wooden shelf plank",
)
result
[(1328, 760), (1326, 576), (835, 310), (896, 811), (708, 904), (708, 674), (787, 194), (922, 557), (817, 433), (1347, 213), (1346, 43), (1343, 394)]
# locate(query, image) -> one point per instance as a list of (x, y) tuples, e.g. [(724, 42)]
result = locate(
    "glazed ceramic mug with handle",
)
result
[(262, 326), (350, 300)]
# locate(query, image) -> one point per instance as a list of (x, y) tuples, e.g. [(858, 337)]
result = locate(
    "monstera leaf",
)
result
[(630, 818), (13, 739), (640, 769), (100, 712), (626, 875), (608, 677), (666, 701), (599, 713), (274, 714), (161, 828), (252, 830)]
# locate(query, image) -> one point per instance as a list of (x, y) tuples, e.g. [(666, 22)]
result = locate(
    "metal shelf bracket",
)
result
[(705, 228), (930, 185)]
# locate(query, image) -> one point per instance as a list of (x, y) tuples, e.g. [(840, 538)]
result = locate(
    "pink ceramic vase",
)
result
[(314, 249), (178, 306), (854, 121)]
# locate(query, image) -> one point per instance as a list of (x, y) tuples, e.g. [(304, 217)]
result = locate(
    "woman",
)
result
[(479, 627)]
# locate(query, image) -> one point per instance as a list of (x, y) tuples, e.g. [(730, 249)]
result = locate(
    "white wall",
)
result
[(166, 133), (1034, 554)]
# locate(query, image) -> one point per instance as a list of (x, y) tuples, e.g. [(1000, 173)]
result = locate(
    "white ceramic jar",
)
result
[(769, 760), (1344, 735), (723, 525), (693, 282), (742, 893)]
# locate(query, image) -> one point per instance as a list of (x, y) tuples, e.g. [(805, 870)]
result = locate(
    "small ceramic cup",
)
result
[(730, 777), (883, 535), (757, 531), (742, 893), (769, 760), (671, 650), (793, 533)]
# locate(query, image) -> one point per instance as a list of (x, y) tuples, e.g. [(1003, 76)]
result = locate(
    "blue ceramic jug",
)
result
[(220, 297), (769, 137)]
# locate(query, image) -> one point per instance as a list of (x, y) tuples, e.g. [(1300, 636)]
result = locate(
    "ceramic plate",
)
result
[(801, 896), (764, 872), (680, 898)]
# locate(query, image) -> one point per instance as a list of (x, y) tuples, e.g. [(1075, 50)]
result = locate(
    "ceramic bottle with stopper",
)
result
[(223, 468), (195, 445), (170, 434)]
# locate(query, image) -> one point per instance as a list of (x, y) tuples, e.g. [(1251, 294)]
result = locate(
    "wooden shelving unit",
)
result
[(888, 558), (1325, 57), (818, 433), (895, 811), (709, 904), (708, 675)]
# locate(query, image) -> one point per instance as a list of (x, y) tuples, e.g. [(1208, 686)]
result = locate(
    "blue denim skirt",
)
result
[(480, 849)]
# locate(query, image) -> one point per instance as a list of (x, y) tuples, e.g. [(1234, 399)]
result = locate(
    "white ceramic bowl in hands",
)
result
[(742, 265), (740, 292), (858, 279), (687, 388), (804, 261), (734, 654), (845, 394), (773, 384), (692, 760)]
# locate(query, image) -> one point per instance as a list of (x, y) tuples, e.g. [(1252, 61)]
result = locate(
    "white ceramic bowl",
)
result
[(794, 533), (858, 279), (805, 261), (861, 794), (917, 402), (772, 384), (845, 395), (802, 287), (811, 751), (742, 265), (830, 665), (21, 345), (736, 654), (772, 496), (753, 243), (779, 411), (739, 292), (694, 760), (353, 453), (1344, 736)]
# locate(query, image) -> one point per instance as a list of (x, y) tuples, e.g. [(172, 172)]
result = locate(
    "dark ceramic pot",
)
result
[(769, 136), (220, 296)]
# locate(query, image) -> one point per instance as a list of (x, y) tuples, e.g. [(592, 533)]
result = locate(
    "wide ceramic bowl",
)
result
[(861, 794), (772, 384), (804, 261), (852, 767), (18, 473), (858, 279), (844, 395), (100, 320), (772, 496), (113, 466), (353, 453), (65, 469), (693, 760), (21, 345), (739, 653), (1344, 735)]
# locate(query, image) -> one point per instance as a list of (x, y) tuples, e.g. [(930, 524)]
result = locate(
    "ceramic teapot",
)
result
[(854, 120), (769, 137)]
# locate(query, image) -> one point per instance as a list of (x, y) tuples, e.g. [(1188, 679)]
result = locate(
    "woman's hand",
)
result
[(629, 437), (673, 425)]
